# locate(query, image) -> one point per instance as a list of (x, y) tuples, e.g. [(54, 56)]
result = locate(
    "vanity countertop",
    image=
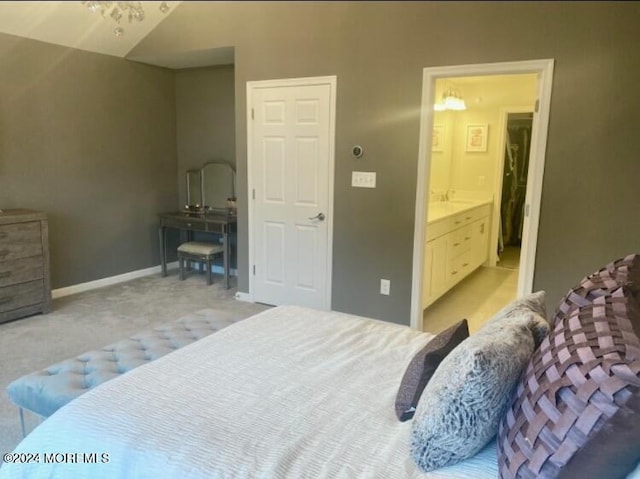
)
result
[(441, 209)]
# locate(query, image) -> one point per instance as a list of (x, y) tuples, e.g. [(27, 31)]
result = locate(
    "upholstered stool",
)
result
[(198, 251)]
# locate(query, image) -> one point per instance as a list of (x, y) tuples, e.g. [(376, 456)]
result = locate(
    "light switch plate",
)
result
[(363, 179), (385, 286)]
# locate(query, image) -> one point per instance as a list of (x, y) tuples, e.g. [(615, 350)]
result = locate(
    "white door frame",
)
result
[(499, 177), (544, 71), (293, 82)]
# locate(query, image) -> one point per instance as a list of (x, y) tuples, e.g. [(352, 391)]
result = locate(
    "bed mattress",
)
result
[(288, 393)]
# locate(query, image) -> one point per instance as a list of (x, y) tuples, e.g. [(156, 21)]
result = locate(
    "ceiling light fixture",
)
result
[(451, 100), (116, 10)]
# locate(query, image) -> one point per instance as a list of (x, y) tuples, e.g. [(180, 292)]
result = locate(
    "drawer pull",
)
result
[(456, 244), (457, 222), (464, 265), (6, 300), (189, 225), (467, 238), (3, 234), (454, 272), (4, 253), (5, 274), (467, 217)]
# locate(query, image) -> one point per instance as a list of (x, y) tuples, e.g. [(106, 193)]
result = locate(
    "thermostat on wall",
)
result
[(357, 151)]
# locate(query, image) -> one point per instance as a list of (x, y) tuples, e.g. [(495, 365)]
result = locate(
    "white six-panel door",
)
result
[(290, 150)]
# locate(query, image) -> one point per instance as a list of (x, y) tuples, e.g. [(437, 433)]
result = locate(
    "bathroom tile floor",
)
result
[(509, 258), (477, 298)]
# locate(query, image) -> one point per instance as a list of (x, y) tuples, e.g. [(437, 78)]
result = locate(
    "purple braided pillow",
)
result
[(621, 272), (576, 410)]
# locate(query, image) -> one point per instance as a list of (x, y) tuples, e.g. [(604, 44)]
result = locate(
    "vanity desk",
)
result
[(220, 222), (213, 185)]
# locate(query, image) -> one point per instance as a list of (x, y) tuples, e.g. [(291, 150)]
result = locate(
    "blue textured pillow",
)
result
[(461, 406)]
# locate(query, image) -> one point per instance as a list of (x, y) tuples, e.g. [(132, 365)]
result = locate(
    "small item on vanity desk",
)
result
[(196, 209)]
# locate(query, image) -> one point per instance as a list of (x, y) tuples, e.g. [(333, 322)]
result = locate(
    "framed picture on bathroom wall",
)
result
[(437, 139), (477, 137)]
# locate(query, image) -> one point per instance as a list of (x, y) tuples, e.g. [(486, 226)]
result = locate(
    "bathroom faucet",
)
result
[(442, 196)]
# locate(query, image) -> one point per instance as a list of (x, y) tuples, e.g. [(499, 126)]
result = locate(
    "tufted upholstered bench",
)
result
[(44, 392)]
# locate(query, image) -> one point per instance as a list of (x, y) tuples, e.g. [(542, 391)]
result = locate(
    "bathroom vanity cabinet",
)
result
[(457, 242)]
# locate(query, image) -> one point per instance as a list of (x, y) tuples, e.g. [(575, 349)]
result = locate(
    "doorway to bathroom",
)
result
[(478, 137)]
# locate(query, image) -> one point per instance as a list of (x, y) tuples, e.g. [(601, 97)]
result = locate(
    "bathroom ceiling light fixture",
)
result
[(116, 10), (451, 100)]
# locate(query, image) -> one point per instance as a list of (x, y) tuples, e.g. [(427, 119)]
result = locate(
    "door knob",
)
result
[(319, 216)]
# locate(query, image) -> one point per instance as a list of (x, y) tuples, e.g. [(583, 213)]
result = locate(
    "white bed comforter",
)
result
[(288, 393)]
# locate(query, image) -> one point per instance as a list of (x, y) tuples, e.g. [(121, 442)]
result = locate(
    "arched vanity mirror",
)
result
[(210, 187), (218, 184)]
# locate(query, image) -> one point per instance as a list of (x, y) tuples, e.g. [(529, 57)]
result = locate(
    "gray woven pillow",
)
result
[(461, 407), (423, 365)]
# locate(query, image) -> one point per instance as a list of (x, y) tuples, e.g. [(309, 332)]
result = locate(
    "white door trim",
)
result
[(544, 70), (292, 82), (497, 199)]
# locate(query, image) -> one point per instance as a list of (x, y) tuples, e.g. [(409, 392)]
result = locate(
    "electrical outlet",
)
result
[(363, 179), (385, 286), (481, 180)]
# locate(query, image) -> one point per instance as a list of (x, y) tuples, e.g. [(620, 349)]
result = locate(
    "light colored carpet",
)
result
[(90, 320)]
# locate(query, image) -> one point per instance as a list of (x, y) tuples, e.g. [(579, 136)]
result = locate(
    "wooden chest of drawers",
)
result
[(25, 286)]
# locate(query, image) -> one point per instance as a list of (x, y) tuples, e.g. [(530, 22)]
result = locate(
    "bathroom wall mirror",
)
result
[(218, 184)]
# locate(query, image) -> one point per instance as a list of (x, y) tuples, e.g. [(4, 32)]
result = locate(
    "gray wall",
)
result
[(90, 140), (205, 109), (377, 50)]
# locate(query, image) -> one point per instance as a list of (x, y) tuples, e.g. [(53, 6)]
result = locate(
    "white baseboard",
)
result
[(121, 278), (99, 283), (246, 297)]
